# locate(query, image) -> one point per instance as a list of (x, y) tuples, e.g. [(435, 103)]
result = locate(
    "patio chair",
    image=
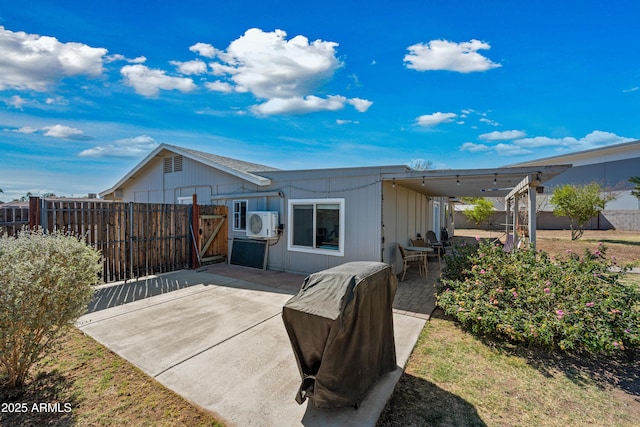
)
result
[(409, 259), (432, 242), (509, 244)]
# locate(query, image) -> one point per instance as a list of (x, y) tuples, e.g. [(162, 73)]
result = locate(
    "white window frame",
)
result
[(246, 209), (313, 250)]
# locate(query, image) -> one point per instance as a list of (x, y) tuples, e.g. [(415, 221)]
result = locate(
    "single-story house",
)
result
[(327, 216)]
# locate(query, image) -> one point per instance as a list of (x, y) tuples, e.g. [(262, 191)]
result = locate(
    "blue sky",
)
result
[(88, 89)]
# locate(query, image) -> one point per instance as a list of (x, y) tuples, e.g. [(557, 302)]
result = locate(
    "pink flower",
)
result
[(616, 344), (590, 304), (515, 295), (547, 291), (597, 253), (482, 271), (559, 314)]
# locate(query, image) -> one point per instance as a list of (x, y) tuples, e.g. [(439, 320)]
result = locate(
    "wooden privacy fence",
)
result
[(135, 239), (13, 218)]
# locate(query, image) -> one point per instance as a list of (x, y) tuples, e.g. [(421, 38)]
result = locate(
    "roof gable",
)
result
[(241, 169)]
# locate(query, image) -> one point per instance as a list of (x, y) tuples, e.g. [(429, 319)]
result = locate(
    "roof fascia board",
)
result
[(585, 154), (135, 170), (254, 179)]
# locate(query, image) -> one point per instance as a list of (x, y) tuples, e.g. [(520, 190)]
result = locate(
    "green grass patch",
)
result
[(454, 378)]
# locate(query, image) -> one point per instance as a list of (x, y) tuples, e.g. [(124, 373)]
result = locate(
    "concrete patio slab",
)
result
[(221, 343)]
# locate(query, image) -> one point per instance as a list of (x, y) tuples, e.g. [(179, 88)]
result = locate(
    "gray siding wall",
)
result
[(362, 217), (612, 175), (404, 214), (360, 190)]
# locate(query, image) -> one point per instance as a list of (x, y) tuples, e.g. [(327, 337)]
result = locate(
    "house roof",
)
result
[(595, 155), (496, 182), (241, 169)]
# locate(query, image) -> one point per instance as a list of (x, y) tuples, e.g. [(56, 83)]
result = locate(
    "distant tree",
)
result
[(580, 204), (420, 165), (481, 210), (635, 180), (26, 197)]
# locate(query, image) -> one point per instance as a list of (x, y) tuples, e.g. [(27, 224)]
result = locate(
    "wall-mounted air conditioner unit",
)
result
[(262, 224)]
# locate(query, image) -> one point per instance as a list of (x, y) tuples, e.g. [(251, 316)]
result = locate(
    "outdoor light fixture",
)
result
[(495, 178), (423, 181), (457, 179), (393, 184)]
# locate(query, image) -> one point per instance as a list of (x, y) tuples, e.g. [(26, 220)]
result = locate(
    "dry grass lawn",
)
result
[(623, 245), (100, 389)]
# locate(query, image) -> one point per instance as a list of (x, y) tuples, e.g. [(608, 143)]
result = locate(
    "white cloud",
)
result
[(592, 140), (633, 89), (33, 62), (219, 86), (474, 148), (64, 132), (445, 55), (519, 146), (361, 105), (204, 49), (502, 136), (25, 129), (269, 66), (148, 82), (489, 121), (283, 72), (511, 150), (300, 105), (346, 122), (435, 119), (17, 102), (119, 57), (128, 147), (191, 67)]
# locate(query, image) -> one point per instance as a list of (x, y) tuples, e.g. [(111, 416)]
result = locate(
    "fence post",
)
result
[(131, 240), (195, 228), (44, 216), (34, 212)]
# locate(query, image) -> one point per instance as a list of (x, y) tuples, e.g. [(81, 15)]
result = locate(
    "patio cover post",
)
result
[(532, 215), (528, 184)]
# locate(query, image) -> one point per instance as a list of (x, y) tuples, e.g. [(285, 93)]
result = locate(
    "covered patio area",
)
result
[(415, 202)]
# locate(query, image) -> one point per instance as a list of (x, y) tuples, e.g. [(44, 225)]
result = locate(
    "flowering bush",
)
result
[(574, 303), (45, 284)]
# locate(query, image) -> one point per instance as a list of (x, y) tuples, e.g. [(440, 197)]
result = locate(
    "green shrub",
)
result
[(577, 304), (45, 284), (459, 260)]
